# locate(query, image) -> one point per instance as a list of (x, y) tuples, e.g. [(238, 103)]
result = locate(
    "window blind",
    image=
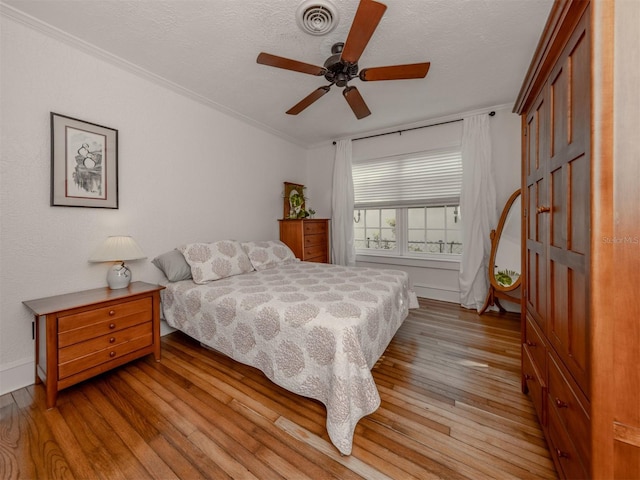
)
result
[(423, 178)]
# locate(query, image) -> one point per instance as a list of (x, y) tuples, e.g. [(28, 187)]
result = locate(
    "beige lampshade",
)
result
[(118, 249)]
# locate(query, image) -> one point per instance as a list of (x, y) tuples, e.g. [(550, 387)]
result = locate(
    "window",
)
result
[(434, 230), (375, 229), (409, 205)]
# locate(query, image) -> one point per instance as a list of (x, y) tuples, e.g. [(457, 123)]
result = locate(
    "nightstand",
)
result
[(82, 334)]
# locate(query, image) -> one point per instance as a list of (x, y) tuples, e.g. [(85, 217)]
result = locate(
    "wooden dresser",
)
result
[(307, 238), (82, 334), (580, 325)]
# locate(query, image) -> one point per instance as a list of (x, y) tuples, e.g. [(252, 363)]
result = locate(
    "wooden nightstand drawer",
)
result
[(113, 339), (103, 356), (104, 315), (93, 324)]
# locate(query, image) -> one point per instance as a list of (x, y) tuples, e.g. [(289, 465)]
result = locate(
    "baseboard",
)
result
[(165, 329), (434, 292), (17, 375), (21, 373)]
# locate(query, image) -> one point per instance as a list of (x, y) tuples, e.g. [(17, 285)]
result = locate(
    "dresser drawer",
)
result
[(312, 228), (94, 323), (562, 449), (317, 239), (319, 259), (110, 354), (112, 340), (535, 344), (563, 398), (535, 384), (315, 251)]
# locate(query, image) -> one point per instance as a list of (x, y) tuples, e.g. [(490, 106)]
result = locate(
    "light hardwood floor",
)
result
[(451, 408)]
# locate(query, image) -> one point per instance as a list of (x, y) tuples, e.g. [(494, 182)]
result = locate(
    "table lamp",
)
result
[(118, 249)]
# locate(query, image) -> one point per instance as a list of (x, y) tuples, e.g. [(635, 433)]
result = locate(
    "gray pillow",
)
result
[(173, 265)]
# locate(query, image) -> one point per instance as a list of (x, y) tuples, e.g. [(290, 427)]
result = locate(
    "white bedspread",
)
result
[(312, 328)]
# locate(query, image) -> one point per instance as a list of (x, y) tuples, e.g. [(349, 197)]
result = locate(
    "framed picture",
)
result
[(84, 163), (293, 200)]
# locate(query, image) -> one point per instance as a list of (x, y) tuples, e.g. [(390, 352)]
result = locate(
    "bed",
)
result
[(314, 329)]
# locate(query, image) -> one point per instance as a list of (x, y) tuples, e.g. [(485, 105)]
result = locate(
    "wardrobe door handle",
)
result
[(560, 403)]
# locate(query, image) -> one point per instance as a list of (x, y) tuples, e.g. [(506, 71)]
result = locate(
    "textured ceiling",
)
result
[(479, 52)]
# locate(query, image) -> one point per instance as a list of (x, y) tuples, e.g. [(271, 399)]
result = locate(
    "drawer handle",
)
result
[(112, 339), (531, 344), (560, 403), (112, 354), (529, 377), (112, 313), (543, 209), (112, 326), (561, 454)]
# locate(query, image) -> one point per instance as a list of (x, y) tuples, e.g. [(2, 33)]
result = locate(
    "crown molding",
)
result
[(96, 52)]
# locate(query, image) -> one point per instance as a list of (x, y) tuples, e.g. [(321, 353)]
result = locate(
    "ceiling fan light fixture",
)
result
[(342, 65), (341, 79), (317, 17)]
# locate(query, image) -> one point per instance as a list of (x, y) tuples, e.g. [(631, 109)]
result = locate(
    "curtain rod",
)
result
[(491, 114)]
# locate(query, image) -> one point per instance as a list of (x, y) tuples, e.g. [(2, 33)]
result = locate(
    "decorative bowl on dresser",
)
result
[(82, 334)]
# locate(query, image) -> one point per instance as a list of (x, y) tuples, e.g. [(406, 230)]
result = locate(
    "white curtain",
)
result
[(342, 246), (478, 207)]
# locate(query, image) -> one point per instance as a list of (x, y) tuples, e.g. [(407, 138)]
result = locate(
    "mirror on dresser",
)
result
[(505, 259)]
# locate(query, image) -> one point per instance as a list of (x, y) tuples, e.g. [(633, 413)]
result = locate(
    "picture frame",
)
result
[(84, 163), (290, 191)]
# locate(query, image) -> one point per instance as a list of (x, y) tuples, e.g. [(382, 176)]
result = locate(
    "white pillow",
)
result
[(268, 254), (212, 261)]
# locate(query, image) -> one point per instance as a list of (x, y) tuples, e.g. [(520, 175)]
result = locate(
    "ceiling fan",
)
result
[(342, 66)]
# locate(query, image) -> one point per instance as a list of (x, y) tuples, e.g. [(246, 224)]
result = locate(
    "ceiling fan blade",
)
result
[(308, 100), (367, 17), (395, 72), (288, 64), (356, 102)]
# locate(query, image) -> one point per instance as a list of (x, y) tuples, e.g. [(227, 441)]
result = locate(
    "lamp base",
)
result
[(119, 276)]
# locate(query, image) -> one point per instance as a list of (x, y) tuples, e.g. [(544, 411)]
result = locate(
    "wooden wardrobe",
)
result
[(580, 105)]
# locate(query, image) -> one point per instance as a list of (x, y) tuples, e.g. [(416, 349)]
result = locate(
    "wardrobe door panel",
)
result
[(559, 118), (535, 166), (578, 351), (557, 325), (579, 174), (569, 215), (558, 214)]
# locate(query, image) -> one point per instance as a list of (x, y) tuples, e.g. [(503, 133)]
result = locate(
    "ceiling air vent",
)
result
[(317, 17)]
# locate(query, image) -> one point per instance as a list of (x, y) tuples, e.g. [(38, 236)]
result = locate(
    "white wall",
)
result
[(430, 278), (186, 173)]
